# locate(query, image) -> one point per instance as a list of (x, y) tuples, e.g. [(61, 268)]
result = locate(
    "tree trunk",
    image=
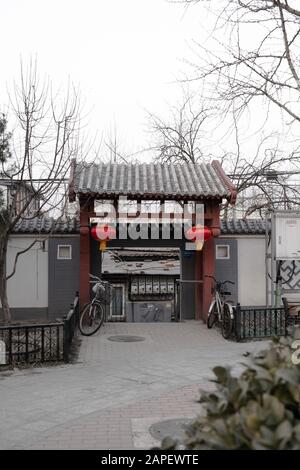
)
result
[(3, 283)]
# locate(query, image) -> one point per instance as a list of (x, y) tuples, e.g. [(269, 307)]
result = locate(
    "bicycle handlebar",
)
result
[(97, 279), (219, 282)]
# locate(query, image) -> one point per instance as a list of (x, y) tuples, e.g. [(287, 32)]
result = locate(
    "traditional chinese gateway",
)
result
[(205, 185)]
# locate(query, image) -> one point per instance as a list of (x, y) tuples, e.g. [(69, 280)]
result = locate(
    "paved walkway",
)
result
[(116, 390)]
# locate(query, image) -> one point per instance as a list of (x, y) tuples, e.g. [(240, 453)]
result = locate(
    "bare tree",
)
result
[(255, 55), (180, 138), (261, 178), (44, 141), (250, 65), (112, 144)]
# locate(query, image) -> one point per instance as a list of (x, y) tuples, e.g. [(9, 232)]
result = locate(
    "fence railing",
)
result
[(260, 322), (33, 343), (293, 319), (40, 342)]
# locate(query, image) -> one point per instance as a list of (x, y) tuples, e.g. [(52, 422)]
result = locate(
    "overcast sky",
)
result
[(125, 55)]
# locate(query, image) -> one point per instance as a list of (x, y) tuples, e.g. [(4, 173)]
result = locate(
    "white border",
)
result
[(228, 251), (111, 316), (64, 246)]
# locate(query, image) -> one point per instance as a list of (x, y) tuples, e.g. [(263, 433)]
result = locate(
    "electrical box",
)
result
[(163, 285), (287, 233), (148, 285), (134, 286), (142, 285), (156, 285), (171, 286)]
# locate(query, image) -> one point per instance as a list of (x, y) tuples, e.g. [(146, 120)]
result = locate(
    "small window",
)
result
[(117, 304), (222, 252), (64, 252)]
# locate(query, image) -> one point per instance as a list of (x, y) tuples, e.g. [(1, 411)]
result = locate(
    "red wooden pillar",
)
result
[(205, 263), (208, 270), (85, 257), (209, 258)]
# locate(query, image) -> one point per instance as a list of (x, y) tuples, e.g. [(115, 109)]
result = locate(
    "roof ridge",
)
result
[(219, 170)]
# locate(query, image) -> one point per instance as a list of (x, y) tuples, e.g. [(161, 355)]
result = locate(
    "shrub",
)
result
[(259, 409)]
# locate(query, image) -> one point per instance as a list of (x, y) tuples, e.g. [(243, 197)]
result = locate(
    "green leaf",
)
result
[(284, 431), (288, 375), (297, 432), (276, 407), (253, 422), (260, 409), (168, 443), (222, 374), (220, 427)]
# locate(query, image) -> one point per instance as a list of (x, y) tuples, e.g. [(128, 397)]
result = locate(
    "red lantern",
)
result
[(102, 233), (199, 234)]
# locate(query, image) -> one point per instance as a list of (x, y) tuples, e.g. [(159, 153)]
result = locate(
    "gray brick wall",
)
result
[(227, 269), (63, 276)]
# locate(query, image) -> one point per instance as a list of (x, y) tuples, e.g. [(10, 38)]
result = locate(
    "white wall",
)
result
[(28, 288), (251, 271)]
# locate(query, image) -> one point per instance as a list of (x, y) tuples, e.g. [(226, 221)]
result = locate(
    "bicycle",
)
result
[(92, 315), (221, 310)]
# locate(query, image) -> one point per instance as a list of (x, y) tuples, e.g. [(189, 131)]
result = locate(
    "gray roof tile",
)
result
[(151, 180), (243, 226), (48, 225)]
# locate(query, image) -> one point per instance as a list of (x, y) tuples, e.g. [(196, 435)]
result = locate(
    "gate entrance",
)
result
[(187, 186), (143, 284)]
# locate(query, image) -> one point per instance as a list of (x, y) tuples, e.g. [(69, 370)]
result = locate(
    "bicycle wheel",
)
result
[(91, 319), (212, 316), (227, 323)]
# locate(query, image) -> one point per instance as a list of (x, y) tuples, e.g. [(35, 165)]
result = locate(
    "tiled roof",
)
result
[(151, 180), (243, 226), (47, 225)]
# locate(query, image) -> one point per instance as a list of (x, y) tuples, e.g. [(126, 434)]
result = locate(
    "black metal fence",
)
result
[(40, 342), (293, 319), (260, 322), (32, 343)]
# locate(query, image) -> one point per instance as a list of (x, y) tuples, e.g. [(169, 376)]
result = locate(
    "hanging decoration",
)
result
[(199, 234), (103, 233)]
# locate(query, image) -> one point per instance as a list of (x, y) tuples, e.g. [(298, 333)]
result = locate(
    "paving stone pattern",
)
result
[(115, 391)]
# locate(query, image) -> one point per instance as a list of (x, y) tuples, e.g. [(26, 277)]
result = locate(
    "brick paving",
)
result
[(110, 396), (112, 428)]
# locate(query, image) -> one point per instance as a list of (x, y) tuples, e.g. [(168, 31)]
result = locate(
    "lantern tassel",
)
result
[(102, 245), (199, 245)]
